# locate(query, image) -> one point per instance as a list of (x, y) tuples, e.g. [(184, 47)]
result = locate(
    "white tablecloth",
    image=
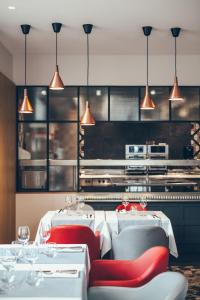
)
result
[(118, 221), (96, 223), (110, 221), (58, 284)]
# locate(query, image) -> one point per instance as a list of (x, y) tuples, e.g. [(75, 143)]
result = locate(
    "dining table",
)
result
[(60, 272), (109, 222)]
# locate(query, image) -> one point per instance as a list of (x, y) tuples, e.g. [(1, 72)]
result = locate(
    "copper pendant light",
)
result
[(87, 119), (176, 92), (25, 107), (56, 82), (147, 103)]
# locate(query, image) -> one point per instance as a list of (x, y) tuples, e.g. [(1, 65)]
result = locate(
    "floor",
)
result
[(192, 273)]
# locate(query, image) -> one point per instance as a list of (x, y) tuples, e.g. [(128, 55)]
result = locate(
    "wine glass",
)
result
[(81, 203), (17, 249), (23, 234), (45, 232), (34, 278), (31, 254), (125, 201), (7, 260), (143, 202)]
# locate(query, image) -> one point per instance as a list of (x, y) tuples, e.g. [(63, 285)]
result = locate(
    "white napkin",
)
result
[(61, 274)]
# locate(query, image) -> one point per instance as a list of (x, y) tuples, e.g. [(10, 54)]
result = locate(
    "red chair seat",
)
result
[(126, 273), (77, 234), (137, 206)]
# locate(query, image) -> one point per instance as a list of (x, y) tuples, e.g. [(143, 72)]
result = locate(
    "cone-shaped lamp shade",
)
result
[(176, 92), (56, 82), (147, 102), (87, 118), (25, 107)]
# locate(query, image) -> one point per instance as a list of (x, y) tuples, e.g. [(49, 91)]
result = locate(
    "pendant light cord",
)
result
[(25, 62), (175, 57), (147, 61), (88, 66), (56, 49)]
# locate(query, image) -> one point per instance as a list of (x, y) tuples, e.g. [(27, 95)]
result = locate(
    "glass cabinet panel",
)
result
[(188, 109), (98, 99), (62, 178), (160, 96), (124, 104), (32, 146), (63, 156), (63, 141), (38, 99), (63, 104)]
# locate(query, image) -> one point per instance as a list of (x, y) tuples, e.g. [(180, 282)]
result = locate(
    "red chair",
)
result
[(130, 273), (137, 206), (77, 234)]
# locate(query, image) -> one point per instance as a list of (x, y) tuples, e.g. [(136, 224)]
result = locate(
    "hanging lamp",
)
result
[(147, 102), (56, 82), (176, 92), (87, 119), (25, 107)]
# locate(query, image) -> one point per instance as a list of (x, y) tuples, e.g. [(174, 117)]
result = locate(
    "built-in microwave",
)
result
[(135, 151), (158, 151)]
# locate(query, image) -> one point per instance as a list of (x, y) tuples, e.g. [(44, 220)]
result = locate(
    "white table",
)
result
[(118, 221), (96, 221), (110, 221), (57, 285)]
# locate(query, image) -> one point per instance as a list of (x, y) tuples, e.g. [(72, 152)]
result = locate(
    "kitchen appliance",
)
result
[(159, 151), (135, 152)]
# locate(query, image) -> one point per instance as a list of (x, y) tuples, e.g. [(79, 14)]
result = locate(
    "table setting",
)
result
[(26, 270)]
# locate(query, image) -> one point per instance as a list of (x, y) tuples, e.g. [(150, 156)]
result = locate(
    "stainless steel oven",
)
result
[(135, 152), (158, 151)]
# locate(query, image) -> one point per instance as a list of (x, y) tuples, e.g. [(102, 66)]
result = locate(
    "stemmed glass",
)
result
[(45, 232), (8, 262), (143, 202), (17, 250), (31, 254), (125, 201), (23, 234), (81, 203)]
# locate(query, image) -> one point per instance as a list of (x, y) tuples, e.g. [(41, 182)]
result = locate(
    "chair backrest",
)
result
[(137, 206), (133, 241), (76, 234)]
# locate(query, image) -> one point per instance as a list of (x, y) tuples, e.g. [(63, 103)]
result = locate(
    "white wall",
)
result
[(108, 70), (6, 62)]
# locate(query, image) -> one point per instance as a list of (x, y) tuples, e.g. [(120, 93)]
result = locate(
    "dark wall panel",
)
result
[(108, 140)]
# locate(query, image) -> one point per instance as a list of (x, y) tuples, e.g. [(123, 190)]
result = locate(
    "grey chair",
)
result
[(165, 286), (133, 241)]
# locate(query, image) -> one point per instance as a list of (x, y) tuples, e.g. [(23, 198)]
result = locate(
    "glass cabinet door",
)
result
[(63, 156), (32, 146), (160, 96), (98, 100), (188, 109), (63, 104), (124, 104)]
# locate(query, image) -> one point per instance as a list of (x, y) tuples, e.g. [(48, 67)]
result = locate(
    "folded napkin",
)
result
[(69, 249), (61, 274)]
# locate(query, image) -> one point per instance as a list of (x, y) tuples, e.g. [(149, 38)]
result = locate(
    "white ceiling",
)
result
[(117, 25)]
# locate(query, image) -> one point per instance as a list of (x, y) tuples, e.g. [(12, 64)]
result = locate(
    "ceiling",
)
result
[(117, 25)]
